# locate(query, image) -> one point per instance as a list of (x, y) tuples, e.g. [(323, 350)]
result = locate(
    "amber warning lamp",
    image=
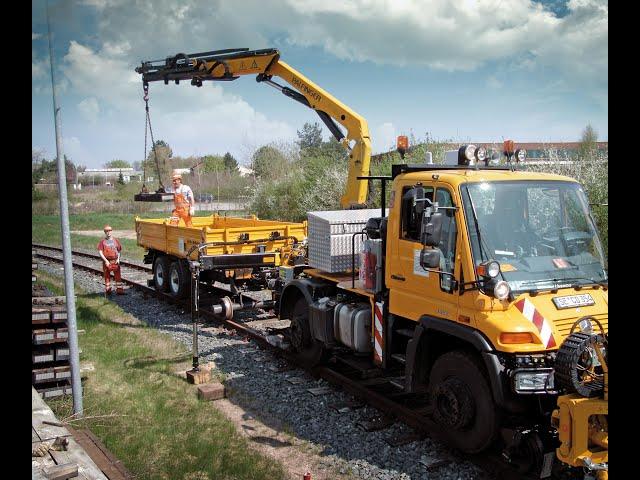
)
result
[(508, 148), (402, 144)]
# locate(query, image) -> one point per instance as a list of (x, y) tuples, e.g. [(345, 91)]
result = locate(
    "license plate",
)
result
[(571, 301)]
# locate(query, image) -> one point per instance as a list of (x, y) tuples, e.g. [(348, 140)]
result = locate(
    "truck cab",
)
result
[(484, 273)]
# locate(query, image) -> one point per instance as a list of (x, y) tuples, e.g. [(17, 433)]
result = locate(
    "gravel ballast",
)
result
[(287, 405)]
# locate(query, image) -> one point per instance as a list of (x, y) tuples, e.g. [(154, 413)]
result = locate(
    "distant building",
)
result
[(244, 171), (102, 175)]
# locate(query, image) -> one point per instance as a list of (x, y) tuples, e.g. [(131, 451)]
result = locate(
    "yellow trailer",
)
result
[(232, 250)]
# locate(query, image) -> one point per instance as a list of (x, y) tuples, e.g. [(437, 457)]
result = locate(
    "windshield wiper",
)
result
[(556, 281)]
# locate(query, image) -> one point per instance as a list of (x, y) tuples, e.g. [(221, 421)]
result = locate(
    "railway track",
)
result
[(377, 391)]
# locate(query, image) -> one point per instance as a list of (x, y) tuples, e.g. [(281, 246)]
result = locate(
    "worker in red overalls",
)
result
[(183, 201), (109, 249)]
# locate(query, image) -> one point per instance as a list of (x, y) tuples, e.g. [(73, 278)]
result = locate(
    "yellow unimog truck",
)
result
[(469, 287)]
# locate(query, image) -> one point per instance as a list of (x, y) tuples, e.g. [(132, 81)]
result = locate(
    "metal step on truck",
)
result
[(238, 252)]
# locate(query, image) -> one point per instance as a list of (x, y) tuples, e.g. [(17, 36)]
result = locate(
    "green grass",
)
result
[(46, 229), (145, 414)]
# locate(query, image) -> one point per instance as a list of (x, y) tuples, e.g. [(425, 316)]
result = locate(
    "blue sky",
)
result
[(461, 70)]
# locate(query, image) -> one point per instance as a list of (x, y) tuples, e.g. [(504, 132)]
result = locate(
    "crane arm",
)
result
[(229, 65)]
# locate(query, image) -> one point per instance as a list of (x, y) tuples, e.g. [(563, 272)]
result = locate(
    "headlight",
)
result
[(521, 155), (530, 381), (501, 291)]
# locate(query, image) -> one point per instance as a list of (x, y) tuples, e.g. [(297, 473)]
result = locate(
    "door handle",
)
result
[(398, 277)]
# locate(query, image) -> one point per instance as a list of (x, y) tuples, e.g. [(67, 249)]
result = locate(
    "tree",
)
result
[(37, 157), (310, 137), (268, 162), (230, 163), (162, 162), (120, 178), (212, 164), (588, 142), (117, 164)]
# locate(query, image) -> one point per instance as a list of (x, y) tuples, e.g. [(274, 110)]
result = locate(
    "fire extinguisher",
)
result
[(370, 274)]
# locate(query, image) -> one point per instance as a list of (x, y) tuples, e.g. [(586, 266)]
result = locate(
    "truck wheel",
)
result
[(462, 401), (161, 273), (179, 280), (309, 352)]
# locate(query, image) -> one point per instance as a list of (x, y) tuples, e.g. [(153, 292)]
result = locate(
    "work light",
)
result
[(466, 155), (489, 269), (521, 155), (481, 154)]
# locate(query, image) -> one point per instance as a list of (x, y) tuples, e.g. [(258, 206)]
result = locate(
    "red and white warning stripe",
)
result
[(529, 311), (377, 334)]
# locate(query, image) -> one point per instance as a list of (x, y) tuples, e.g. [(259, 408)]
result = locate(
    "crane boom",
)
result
[(229, 65)]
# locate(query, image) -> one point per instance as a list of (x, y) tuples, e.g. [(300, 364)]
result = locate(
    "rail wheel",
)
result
[(161, 273), (462, 402), (178, 279), (308, 351), (577, 368)]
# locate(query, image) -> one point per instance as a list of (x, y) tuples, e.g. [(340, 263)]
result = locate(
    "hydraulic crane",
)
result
[(228, 65)]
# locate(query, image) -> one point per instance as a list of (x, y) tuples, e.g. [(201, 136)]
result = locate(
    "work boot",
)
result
[(120, 291), (108, 291)]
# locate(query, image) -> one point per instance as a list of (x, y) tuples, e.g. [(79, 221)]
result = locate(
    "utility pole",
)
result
[(66, 246)]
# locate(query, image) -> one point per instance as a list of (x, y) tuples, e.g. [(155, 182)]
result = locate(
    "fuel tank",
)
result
[(352, 326)]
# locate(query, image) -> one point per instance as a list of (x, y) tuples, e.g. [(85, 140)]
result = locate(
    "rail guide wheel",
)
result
[(577, 367)]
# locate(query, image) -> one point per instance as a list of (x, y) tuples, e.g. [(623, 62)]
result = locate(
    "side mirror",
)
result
[(430, 258), (432, 229)]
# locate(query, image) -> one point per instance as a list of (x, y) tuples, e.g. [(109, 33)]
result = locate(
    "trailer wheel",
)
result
[(161, 273), (462, 401), (309, 352), (179, 281)]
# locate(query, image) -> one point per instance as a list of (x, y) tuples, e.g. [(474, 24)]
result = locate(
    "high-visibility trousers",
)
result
[(180, 213), (107, 269)]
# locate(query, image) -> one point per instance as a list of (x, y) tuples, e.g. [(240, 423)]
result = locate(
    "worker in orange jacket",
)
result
[(184, 202), (109, 249)]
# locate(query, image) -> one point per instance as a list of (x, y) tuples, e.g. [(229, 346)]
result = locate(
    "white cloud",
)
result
[(384, 138), (192, 120), (458, 35), (38, 69), (77, 152), (35, 36), (90, 108), (493, 82), (439, 34)]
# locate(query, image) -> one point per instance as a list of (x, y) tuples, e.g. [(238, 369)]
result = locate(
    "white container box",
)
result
[(330, 236)]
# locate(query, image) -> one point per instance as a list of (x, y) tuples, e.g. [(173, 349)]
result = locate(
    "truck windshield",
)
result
[(541, 232)]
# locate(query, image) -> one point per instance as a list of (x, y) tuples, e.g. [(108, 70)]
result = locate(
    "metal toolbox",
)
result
[(330, 237)]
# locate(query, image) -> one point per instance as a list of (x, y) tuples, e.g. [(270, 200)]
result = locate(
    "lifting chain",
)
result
[(145, 88)]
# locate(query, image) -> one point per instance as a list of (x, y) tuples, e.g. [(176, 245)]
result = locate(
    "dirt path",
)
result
[(130, 234), (297, 456)]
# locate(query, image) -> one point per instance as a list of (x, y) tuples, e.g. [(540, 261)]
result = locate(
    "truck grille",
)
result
[(564, 326)]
